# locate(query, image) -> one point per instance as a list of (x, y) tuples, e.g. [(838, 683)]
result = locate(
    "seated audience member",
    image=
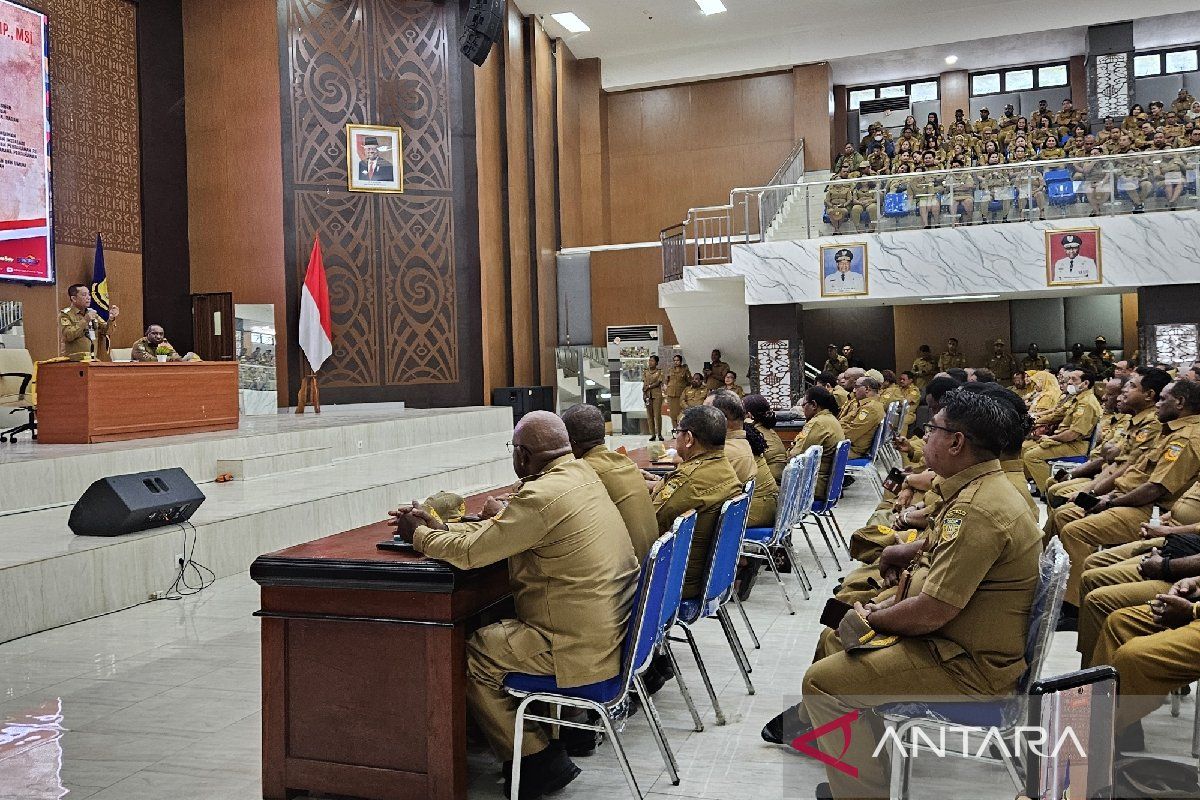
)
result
[(762, 416), (695, 392), (909, 393), (147, 348), (732, 385), (1021, 385), (957, 373), (1094, 178), (821, 427), (970, 596), (621, 478), (1071, 436), (838, 199), (983, 375), (737, 448), (765, 500), (925, 367), (832, 383), (1159, 477), (860, 426), (573, 574), (846, 382), (702, 483)]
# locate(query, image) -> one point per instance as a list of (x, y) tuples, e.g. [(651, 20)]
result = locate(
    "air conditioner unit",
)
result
[(884, 104)]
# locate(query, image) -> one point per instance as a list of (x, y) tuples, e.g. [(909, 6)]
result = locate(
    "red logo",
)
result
[(842, 723)]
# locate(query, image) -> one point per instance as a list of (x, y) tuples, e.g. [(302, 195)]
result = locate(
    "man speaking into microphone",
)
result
[(81, 327)]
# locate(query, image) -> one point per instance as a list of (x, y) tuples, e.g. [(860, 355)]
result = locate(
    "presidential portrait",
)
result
[(843, 269), (374, 158), (1073, 257)]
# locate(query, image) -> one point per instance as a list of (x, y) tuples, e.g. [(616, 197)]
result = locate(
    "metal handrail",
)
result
[(674, 250), (791, 170), (10, 314)]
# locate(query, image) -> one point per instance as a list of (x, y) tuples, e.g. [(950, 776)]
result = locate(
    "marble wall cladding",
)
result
[(1136, 250)]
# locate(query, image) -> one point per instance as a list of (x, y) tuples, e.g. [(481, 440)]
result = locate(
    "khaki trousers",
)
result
[(1150, 660), (654, 412), (1057, 493), (675, 405), (1109, 584), (1035, 458), (1082, 537), (492, 653)]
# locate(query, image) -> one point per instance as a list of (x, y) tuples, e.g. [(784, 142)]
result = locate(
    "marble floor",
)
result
[(161, 702)]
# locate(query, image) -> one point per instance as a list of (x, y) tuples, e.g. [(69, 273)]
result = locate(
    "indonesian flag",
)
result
[(316, 330)]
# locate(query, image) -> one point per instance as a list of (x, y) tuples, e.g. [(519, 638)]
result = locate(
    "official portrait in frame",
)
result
[(1073, 257), (844, 269), (374, 158)]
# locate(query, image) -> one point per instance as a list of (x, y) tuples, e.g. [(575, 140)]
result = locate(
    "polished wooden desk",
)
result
[(106, 401), (364, 667)]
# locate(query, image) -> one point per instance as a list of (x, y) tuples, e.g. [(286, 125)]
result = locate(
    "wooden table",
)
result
[(364, 667), (105, 401)]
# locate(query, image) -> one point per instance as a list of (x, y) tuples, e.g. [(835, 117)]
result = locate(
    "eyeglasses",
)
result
[(512, 448), (929, 426)]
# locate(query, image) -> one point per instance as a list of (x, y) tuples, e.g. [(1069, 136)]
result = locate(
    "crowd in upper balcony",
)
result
[(1045, 135)]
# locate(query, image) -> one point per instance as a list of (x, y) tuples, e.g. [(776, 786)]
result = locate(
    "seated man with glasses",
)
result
[(956, 625)]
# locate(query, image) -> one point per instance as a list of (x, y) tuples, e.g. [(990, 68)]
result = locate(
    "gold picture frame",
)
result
[(1084, 269), (858, 267), (388, 166)]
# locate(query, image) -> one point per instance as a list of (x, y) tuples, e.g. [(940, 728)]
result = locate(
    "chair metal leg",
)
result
[(1176, 698), (746, 619), (622, 759), (896, 789), (775, 571), (697, 723), (735, 644), (837, 527), (656, 730), (813, 549), (799, 570), (712, 694), (1011, 765), (518, 740), (828, 544)]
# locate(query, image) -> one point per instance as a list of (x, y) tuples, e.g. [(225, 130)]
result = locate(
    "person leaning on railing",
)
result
[(838, 199)]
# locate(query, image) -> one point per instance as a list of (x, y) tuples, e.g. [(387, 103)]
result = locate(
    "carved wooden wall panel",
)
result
[(390, 258)]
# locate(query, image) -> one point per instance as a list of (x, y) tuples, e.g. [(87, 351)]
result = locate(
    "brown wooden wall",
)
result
[(625, 291), (235, 204), (97, 179)]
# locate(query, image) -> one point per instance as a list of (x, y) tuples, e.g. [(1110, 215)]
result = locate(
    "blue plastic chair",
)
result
[(685, 530), (1060, 189), (823, 509), (606, 698), (718, 587), (867, 467), (1004, 714), (759, 542), (1073, 460)]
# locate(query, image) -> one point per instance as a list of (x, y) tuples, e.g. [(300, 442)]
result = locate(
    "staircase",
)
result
[(793, 220), (12, 329)]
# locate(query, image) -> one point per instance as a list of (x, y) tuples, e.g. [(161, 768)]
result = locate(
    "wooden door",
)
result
[(212, 326)]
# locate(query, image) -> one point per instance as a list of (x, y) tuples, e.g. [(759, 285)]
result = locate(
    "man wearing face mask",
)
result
[(573, 574), (1071, 436)]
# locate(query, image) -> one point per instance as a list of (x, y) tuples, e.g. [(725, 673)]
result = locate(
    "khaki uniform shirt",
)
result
[(951, 360), (716, 376), (1014, 470), (701, 484), (570, 564), (652, 384), (1025, 394), (923, 369), (985, 562), (849, 409), (1173, 463), (836, 365), (145, 350), (677, 380), (1081, 416), (1140, 436), (75, 333), (741, 457), (860, 429), (1186, 510), (1003, 366), (776, 454), (765, 500), (912, 396), (694, 396), (1031, 364), (825, 430), (841, 396), (1112, 431), (627, 489)]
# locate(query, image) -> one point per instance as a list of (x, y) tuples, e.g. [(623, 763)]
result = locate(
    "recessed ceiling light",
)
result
[(710, 7), (951, 59), (570, 21)]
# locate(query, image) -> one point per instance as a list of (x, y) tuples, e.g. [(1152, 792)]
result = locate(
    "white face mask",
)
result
[(1072, 388)]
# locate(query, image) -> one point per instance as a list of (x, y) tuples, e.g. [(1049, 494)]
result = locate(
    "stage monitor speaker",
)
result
[(122, 504), (523, 399), (487, 17), (475, 46)]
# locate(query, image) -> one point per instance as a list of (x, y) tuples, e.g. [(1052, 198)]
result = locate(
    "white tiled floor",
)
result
[(161, 702)]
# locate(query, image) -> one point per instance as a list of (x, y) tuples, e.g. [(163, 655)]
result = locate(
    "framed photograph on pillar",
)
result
[(374, 158), (1073, 257), (844, 269)]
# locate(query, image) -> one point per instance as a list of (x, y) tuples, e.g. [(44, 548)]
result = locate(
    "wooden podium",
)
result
[(364, 667), (105, 401)]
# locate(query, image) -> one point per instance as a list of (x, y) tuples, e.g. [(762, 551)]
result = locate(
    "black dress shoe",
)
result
[(653, 681), (824, 792), (579, 743), (746, 576), (1068, 619), (785, 727), (1131, 740), (542, 773)]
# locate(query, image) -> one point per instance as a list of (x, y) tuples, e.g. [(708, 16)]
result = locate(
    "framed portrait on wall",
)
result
[(844, 269), (374, 158), (1073, 257)]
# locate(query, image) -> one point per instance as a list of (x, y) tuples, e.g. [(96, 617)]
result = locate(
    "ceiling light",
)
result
[(951, 59), (570, 21), (710, 7)]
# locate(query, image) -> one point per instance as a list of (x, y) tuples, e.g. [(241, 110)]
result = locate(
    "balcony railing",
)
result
[(1092, 186)]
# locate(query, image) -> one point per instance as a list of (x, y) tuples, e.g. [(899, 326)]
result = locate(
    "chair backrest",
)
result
[(684, 530), (880, 433), (726, 547), (791, 492), (14, 361), (644, 631), (121, 354), (809, 490), (837, 477), (749, 487), (1053, 568)]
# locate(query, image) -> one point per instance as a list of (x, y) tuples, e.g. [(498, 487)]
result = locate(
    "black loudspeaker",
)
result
[(487, 17), (127, 503), (523, 399), (475, 46)]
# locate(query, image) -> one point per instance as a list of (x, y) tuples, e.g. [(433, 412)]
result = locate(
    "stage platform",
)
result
[(317, 475)]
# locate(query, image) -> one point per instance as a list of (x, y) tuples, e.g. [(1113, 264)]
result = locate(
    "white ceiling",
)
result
[(651, 42)]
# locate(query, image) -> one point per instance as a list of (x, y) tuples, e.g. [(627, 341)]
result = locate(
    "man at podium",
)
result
[(79, 324)]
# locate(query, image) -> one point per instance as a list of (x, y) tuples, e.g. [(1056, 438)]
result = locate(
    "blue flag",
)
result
[(99, 282)]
